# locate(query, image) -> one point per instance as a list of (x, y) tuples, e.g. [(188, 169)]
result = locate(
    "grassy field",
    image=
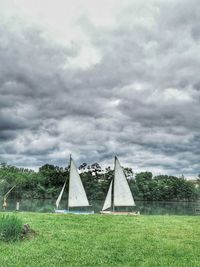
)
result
[(96, 240)]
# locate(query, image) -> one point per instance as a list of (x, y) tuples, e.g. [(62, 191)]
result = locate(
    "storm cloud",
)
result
[(125, 81)]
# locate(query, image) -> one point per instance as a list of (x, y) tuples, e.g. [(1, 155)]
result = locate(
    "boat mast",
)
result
[(113, 192), (70, 160)]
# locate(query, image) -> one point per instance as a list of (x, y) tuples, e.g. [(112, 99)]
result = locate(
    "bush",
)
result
[(10, 228)]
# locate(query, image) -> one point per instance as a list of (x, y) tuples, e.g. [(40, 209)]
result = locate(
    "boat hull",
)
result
[(119, 213), (78, 212)]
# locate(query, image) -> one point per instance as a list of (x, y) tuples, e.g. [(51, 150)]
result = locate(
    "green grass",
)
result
[(97, 240)]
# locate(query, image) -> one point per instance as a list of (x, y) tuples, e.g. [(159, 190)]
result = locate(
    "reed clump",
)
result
[(10, 228)]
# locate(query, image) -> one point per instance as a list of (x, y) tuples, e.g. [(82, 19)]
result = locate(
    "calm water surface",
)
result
[(156, 207)]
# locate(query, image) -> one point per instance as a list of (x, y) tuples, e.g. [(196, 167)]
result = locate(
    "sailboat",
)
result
[(76, 193), (119, 193)]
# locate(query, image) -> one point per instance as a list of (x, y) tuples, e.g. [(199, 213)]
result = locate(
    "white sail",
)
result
[(107, 203), (122, 192), (77, 196), (60, 195)]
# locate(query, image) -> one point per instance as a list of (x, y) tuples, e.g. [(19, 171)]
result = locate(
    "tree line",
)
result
[(49, 179)]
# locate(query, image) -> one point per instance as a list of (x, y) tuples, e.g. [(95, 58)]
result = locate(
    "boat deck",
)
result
[(120, 213), (73, 212)]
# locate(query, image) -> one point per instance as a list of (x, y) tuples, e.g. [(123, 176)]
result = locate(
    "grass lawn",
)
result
[(97, 240)]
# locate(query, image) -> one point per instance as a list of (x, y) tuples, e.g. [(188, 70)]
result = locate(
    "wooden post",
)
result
[(4, 204), (17, 206)]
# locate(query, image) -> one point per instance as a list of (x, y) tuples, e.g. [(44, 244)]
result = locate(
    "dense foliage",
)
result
[(48, 181)]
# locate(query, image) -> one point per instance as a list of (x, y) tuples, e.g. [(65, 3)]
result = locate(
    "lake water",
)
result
[(156, 207)]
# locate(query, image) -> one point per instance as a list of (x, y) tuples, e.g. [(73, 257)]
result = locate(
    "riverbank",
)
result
[(97, 240)]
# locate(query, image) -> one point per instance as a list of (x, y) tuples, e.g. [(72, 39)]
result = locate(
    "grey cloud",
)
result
[(141, 101), (7, 135), (9, 123)]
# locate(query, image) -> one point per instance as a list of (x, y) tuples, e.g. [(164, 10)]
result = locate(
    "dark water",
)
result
[(156, 208)]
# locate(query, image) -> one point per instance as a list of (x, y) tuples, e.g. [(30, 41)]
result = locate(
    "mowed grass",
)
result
[(97, 240)]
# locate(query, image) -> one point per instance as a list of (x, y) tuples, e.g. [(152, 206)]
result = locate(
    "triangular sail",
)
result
[(60, 195), (77, 196), (122, 192), (108, 200)]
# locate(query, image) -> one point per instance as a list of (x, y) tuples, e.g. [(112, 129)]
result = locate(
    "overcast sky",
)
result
[(99, 78)]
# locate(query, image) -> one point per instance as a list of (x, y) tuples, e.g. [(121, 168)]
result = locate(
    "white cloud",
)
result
[(172, 94)]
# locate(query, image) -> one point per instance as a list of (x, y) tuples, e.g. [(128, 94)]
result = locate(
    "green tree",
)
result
[(143, 180)]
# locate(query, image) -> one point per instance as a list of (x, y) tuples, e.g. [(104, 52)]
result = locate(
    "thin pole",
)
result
[(70, 162), (6, 196)]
